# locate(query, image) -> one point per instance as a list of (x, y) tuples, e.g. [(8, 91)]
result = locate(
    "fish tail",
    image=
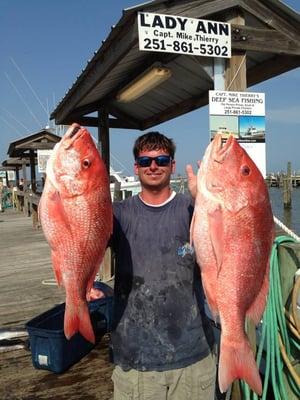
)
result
[(78, 320), (237, 362)]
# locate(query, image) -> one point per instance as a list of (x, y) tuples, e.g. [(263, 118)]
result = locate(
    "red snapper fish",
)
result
[(232, 232), (75, 211)]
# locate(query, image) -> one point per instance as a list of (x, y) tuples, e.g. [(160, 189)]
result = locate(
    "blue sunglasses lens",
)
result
[(161, 161)]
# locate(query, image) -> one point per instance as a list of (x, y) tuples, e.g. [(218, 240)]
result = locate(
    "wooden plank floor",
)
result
[(24, 264)]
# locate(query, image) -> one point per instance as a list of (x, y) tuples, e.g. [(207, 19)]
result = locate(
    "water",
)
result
[(290, 217)]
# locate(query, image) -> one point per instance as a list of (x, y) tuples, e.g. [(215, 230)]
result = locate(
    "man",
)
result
[(162, 341)]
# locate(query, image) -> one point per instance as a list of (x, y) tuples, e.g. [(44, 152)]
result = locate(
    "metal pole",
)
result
[(219, 73)]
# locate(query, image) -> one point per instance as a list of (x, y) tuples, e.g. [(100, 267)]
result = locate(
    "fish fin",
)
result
[(78, 320), (60, 214), (212, 306), (256, 310), (56, 268), (216, 228), (237, 362)]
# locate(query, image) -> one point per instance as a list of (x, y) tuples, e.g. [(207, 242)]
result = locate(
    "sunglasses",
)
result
[(161, 161)]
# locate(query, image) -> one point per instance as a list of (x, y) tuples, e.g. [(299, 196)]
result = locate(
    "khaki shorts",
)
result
[(195, 382)]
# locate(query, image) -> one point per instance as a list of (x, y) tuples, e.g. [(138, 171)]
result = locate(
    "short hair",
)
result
[(154, 141)]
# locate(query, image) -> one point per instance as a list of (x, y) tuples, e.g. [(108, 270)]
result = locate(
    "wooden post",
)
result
[(236, 73), (25, 187), (117, 191), (24, 172), (105, 273), (287, 188), (17, 177), (103, 143), (6, 178), (32, 170), (103, 136)]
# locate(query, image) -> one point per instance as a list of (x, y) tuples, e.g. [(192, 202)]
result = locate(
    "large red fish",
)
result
[(76, 216), (232, 232)]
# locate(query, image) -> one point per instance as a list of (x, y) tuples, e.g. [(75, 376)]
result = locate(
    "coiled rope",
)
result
[(275, 338)]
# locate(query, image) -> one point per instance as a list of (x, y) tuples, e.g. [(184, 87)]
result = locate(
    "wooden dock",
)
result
[(25, 265)]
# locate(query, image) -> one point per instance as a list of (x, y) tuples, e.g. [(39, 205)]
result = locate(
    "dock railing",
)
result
[(26, 201)]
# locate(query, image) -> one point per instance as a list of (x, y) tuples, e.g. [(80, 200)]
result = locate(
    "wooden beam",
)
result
[(235, 74), (112, 122), (262, 40), (271, 68), (95, 106), (176, 110), (36, 146), (273, 19), (103, 136), (122, 115)]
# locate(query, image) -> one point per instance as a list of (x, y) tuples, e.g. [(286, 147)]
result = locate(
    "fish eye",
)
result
[(86, 163), (245, 170)]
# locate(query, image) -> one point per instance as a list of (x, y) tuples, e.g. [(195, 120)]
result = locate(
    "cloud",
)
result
[(290, 115)]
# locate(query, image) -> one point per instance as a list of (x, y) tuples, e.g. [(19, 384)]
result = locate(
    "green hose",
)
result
[(273, 323)]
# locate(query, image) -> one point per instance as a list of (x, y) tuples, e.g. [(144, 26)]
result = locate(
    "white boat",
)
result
[(252, 132), (122, 187)]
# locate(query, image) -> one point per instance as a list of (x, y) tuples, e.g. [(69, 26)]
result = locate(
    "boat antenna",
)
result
[(23, 100), (30, 86), (14, 118)]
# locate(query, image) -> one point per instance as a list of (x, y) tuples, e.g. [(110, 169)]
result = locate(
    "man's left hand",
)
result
[(192, 179)]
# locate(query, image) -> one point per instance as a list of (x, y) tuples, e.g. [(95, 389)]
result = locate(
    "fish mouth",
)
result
[(73, 133), (219, 153), (220, 150)]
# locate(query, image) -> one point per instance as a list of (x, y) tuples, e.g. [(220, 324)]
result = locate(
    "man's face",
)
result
[(154, 176)]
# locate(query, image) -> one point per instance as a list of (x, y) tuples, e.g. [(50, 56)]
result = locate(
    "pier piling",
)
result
[(287, 188)]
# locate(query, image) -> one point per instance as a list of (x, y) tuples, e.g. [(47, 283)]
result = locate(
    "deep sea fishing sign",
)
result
[(179, 34), (241, 114)]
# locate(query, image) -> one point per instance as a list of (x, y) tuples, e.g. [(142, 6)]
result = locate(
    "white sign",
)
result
[(236, 103), (182, 35), (242, 115), (11, 175), (43, 157)]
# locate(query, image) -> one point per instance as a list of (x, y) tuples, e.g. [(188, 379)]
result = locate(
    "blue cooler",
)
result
[(51, 350)]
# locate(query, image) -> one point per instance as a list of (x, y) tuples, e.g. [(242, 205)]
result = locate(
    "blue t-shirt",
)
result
[(159, 321)]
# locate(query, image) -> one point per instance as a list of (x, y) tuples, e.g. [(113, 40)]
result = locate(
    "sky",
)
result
[(44, 45)]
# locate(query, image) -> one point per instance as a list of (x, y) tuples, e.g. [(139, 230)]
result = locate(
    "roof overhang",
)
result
[(41, 140), (270, 39)]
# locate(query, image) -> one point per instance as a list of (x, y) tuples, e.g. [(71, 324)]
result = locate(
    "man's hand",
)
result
[(95, 294), (192, 179)]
